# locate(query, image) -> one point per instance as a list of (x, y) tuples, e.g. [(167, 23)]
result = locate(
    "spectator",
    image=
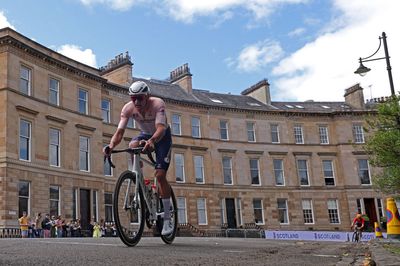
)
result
[(24, 224), (96, 230), (31, 227), (46, 226), (38, 222), (53, 229), (59, 226)]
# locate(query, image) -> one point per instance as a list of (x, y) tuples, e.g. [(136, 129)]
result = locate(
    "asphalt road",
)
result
[(184, 251)]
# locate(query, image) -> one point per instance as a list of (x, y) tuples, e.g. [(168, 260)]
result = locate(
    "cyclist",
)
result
[(149, 113), (358, 223)]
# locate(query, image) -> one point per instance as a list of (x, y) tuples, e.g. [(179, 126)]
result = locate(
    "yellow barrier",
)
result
[(378, 231), (393, 219)]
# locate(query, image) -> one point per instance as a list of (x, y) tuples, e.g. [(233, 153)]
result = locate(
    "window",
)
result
[(179, 168), (23, 197), (302, 171), (54, 91), (105, 110), (108, 207), (227, 170), (333, 211), (201, 211), (323, 135), (198, 168), (131, 123), (328, 172), (25, 80), (24, 140), (381, 211), (83, 101), (223, 129), (278, 172), (54, 200), (363, 172), (359, 206), (95, 205), (358, 133), (83, 153), (298, 134), (176, 124), (251, 134), (275, 133), (182, 216), (307, 211), (254, 172), (283, 211), (107, 170), (258, 211), (54, 147), (196, 127)]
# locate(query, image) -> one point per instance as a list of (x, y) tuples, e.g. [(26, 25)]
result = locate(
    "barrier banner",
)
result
[(316, 235)]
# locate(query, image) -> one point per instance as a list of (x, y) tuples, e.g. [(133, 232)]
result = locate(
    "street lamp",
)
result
[(362, 70)]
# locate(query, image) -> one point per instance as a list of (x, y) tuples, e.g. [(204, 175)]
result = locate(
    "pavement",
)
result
[(381, 254)]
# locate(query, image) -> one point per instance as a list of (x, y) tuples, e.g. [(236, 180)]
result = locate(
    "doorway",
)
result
[(230, 212), (84, 204), (370, 211)]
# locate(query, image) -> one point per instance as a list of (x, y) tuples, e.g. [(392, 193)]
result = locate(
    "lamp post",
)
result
[(362, 70)]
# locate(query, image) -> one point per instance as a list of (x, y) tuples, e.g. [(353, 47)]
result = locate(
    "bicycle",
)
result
[(136, 202), (356, 234)]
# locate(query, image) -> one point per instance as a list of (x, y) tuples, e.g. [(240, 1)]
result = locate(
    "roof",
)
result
[(166, 90)]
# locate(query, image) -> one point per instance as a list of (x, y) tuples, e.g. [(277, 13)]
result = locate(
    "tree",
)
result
[(383, 146)]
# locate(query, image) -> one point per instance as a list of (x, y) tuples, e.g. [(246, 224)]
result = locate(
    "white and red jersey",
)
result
[(154, 114)]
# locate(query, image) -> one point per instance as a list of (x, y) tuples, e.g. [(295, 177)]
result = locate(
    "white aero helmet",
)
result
[(138, 87)]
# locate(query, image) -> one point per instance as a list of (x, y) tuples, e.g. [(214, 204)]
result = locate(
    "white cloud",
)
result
[(323, 69), (256, 56), (121, 5), (77, 53), (296, 32), (4, 21)]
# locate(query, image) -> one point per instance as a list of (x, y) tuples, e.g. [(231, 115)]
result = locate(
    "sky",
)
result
[(306, 49)]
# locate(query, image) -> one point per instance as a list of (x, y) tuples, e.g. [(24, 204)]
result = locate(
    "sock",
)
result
[(167, 204)]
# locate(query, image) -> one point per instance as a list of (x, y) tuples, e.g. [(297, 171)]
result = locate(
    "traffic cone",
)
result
[(378, 231), (393, 219)]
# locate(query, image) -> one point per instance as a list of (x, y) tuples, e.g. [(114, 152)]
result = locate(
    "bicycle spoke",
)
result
[(128, 209)]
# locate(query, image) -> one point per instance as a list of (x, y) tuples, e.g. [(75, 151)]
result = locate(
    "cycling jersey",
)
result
[(155, 114), (358, 222)]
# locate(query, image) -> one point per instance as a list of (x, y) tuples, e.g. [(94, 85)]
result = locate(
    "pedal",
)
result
[(160, 214)]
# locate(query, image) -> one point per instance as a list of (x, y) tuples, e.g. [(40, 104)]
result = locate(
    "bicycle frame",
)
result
[(137, 170)]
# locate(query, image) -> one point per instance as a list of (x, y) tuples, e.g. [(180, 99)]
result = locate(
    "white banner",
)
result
[(316, 235)]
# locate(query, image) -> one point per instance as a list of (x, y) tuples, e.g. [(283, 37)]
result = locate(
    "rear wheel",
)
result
[(168, 239), (129, 209)]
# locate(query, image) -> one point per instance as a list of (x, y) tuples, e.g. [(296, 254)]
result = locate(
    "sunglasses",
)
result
[(138, 98)]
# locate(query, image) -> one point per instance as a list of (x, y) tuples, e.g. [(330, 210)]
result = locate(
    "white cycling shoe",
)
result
[(168, 227)]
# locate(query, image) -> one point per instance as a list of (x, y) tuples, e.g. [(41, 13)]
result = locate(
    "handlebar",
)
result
[(137, 150)]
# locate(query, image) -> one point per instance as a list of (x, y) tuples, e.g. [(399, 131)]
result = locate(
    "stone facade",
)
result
[(81, 193)]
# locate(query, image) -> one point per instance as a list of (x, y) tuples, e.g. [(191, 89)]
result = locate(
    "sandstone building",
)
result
[(237, 161)]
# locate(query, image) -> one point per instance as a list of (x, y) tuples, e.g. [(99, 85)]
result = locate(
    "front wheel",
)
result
[(129, 209), (168, 239)]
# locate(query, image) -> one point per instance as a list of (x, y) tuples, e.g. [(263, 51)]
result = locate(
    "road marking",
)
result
[(326, 256), (78, 243), (233, 251)]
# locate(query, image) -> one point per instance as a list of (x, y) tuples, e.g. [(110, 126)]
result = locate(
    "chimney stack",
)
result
[(259, 91), (182, 77), (354, 96)]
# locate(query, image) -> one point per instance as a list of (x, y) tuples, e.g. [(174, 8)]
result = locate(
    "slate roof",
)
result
[(173, 92)]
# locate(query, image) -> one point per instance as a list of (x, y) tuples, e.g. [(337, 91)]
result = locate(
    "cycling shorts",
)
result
[(161, 148)]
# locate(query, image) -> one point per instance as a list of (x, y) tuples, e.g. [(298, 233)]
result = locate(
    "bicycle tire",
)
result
[(129, 221), (168, 239), (355, 237)]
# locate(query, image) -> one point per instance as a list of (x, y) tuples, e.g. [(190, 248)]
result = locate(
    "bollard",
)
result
[(393, 219), (378, 231)]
